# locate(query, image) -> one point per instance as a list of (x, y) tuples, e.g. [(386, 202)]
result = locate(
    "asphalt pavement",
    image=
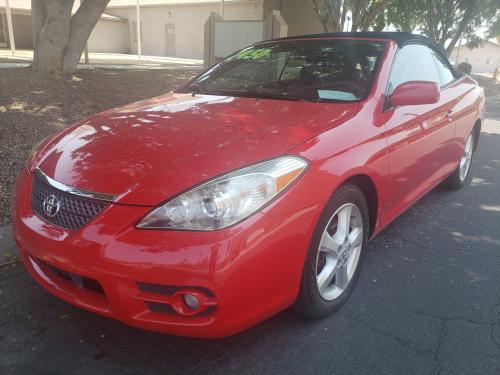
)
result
[(427, 302)]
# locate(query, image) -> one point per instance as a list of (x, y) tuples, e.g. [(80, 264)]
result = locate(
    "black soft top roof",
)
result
[(400, 38)]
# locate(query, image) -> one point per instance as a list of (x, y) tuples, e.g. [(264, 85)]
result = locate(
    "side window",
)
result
[(413, 63), (444, 71)]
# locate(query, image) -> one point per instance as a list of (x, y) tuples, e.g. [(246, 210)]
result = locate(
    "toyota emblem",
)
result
[(51, 206)]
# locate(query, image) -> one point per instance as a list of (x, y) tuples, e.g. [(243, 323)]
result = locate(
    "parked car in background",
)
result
[(254, 187)]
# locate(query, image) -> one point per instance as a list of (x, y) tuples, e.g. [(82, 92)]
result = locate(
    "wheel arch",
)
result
[(367, 186), (477, 132)]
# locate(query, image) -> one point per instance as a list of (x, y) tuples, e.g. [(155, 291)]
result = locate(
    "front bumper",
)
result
[(248, 272)]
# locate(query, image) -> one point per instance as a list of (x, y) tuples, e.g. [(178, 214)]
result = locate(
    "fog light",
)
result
[(191, 301)]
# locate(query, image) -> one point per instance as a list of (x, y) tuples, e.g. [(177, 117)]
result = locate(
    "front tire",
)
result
[(335, 255), (462, 176)]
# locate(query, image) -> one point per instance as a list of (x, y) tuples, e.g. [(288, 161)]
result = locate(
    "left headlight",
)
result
[(228, 199)]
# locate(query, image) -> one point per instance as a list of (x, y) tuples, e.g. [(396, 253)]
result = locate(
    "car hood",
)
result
[(149, 151)]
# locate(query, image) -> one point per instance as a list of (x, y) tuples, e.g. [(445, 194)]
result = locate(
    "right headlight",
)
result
[(228, 199)]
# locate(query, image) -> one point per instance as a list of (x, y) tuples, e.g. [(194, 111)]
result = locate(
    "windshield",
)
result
[(308, 70)]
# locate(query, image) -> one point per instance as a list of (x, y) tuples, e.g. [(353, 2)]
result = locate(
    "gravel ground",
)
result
[(33, 106)]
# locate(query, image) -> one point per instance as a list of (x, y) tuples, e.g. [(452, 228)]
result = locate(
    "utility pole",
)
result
[(138, 24), (86, 53), (222, 9), (11, 30)]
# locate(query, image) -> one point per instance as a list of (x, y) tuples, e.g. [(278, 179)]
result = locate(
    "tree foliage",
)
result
[(59, 36), (406, 15), (451, 20), (446, 21), (443, 21), (335, 14)]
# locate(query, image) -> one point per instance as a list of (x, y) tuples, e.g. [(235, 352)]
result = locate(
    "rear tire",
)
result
[(462, 175), (335, 254)]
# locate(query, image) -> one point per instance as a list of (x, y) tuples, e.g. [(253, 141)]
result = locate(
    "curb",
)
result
[(8, 248)]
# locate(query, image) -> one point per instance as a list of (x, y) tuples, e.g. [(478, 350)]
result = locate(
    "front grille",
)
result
[(74, 211)]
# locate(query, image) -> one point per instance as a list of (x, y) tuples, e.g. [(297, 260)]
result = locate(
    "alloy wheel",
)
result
[(339, 251), (466, 158)]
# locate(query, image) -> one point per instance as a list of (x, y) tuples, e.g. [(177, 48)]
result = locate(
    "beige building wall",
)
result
[(111, 36), (23, 35), (483, 59), (189, 21), (21, 24), (298, 14)]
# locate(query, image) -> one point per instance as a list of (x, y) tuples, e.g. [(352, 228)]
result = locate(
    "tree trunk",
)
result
[(359, 9), (468, 16), (343, 15), (369, 15), (319, 14), (431, 21), (332, 14), (53, 38), (59, 38), (38, 18), (82, 24)]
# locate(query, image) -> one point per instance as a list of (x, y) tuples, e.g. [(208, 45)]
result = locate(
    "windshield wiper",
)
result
[(252, 93)]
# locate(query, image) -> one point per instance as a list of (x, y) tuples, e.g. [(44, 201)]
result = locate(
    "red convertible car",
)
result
[(254, 187)]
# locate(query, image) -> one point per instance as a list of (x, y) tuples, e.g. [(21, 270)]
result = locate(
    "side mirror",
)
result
[(465, 68), (415, 93)]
